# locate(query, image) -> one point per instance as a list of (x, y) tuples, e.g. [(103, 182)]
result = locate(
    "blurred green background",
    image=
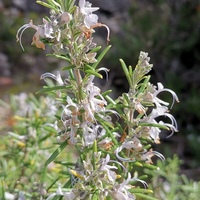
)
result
[(168, 30)]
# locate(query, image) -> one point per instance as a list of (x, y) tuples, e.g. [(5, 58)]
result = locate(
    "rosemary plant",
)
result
[(111, 137)]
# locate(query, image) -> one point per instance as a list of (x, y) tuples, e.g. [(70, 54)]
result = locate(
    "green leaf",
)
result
[(50, 2), (88, 67), (69, 67), (52, 184), (126, 72), (47, 5), (105, 125), (140, 190), (144, 84), (94, 151), (92, 72), (56, 152), (95, 146), (110, 100), (106, 93), (60, 57), (149, 166), (54, 88), (71, 74), (145, 196), (130, 71), (126, 97), (54, 3), (103, 122), (2, 191), (154, 125), (50, 129), (95, 196), (120, 127), (139, 164), (100, 57), (68, 184), (143, 177), (147, 146), (66, 163), (95, 49)]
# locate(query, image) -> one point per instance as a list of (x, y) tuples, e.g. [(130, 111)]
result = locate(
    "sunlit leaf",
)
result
[(100, 57), (56, 152)]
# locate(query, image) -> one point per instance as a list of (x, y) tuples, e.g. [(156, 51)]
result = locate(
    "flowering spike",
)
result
[(86, 118)]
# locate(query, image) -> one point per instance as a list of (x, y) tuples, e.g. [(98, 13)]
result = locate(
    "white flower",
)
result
[(47, 29), (148, 155), (55, 77), (70, 195), (111, 175), (96, 104), (89, 133), (58, 192), (70, 113), (9, 196), (106, 143), (85, 7), (93, 104), (120, 192), (157, 112), (70, 119), (36, 38), (67, 195), (154, 133), (90, 19), (160, 89), (90, 57), (134, 144)]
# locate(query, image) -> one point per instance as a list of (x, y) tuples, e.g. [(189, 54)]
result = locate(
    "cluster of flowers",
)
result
[(67, 33), (108, 149)]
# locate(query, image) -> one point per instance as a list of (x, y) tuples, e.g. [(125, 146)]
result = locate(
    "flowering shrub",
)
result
[(111, 138)]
